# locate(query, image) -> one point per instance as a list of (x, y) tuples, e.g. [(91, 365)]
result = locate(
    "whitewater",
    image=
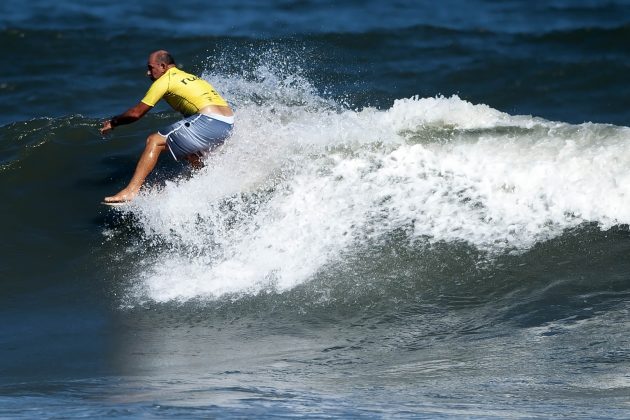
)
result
[(306, 179)]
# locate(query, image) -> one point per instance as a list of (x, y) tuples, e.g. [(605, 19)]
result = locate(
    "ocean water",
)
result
[(423, 212)]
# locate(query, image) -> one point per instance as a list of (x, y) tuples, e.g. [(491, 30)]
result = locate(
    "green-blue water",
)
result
[(423, 212)]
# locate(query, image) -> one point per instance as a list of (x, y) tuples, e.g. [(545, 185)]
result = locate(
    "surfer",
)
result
[(207, 122)]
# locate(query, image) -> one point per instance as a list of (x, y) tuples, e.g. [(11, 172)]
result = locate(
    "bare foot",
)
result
[(122, 197)]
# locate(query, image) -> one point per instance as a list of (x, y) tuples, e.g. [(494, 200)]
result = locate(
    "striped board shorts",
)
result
[(197, 134)]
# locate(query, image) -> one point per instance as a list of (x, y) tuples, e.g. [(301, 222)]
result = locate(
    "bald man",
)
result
[(207, 123)]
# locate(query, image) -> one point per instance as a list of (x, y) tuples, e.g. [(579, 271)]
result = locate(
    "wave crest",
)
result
[(298, 186)]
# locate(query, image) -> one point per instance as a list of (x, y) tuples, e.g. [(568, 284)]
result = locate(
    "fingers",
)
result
[(107, 127)]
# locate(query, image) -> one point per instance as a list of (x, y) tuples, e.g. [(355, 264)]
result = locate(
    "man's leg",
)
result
[(156, 144), (195, 161)]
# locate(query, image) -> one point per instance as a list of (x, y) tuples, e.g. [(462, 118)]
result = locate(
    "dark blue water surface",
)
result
[(422, 212)]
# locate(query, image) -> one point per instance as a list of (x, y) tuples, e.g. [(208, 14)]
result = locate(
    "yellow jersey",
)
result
[(183, 91)]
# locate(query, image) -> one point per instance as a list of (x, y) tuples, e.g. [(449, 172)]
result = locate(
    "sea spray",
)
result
[(303, 181)]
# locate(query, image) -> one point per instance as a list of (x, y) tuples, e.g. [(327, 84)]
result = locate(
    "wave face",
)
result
[(422, 212), (305, 181)]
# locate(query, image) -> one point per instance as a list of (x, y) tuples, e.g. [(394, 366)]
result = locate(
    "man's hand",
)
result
[(127, 117), (107, 127)]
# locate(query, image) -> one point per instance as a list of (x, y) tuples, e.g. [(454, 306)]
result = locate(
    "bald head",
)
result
[(162, 57), (159, 63)]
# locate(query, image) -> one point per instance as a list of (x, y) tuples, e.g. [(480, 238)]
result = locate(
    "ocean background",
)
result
[(423, 212)]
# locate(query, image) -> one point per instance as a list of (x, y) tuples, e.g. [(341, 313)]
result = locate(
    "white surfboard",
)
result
[(116, 203)]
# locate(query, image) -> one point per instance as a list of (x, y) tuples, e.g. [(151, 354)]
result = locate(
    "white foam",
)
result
[(328, 179)]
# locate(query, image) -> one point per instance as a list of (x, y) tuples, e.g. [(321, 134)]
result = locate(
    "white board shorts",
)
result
[(197, 134)]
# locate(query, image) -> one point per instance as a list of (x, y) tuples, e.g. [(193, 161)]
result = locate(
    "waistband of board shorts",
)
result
[(224, 118)]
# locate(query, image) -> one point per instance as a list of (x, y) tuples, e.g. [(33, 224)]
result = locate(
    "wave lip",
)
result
[(293, 192)]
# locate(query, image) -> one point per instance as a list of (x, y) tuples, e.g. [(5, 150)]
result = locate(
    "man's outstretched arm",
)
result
[(131, 115)]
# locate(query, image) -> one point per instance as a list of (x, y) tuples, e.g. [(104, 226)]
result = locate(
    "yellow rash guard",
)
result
[(184, 92)]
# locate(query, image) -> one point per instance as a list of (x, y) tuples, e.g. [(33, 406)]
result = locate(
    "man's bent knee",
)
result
[(156, 139)]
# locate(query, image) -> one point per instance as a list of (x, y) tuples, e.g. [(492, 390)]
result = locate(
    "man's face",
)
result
[(155, 69)]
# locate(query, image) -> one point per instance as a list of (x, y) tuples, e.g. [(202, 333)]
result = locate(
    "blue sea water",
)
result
[(422, 213)]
